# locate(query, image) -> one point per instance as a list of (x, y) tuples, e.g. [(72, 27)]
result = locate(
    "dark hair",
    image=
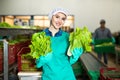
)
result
[(102, 21), (50, 22)]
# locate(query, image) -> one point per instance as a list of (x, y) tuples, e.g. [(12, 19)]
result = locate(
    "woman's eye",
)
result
[(63, 19), (57, 16)]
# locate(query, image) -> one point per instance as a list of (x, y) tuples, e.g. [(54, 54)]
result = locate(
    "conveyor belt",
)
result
[(90, 62), (92, 65)]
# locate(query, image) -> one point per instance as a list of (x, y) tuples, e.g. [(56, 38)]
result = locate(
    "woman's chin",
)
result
[(58, 27)]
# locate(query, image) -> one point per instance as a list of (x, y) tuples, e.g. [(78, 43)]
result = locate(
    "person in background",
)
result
[(18, 22), (102, 33), (57, 64)]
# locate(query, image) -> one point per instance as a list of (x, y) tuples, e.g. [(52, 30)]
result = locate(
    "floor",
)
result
[(111, 61)]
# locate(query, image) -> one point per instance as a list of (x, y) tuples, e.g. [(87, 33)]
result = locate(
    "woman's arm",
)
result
[(76, 53)]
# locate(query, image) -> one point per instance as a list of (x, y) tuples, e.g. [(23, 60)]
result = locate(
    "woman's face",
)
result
[(58, 20)]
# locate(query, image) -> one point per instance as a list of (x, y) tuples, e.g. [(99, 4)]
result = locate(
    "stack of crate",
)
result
[(25, 63), (13, 49), (11, 56), (109, 74)]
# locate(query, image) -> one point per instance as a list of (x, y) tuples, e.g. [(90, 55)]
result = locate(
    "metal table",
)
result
[(16, 31), (5, 59)]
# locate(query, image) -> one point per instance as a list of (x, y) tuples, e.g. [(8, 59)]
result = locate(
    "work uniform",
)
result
[(57, 65), (102, 34)]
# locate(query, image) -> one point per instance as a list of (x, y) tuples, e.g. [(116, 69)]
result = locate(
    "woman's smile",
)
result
[(58, 20), (58, 24)]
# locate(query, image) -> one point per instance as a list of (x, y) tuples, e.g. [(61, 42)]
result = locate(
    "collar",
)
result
[(102, 29), (49, 33)]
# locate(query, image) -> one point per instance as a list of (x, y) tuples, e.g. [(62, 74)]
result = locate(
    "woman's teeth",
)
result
[(58, 24)]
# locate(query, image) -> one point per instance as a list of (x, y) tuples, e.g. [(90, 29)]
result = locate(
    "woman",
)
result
[(57, 65)]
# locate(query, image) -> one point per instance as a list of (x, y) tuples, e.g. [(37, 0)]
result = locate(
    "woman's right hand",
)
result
[(43, 60)]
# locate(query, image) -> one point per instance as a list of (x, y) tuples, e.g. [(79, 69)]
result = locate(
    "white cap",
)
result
[(57, 10)]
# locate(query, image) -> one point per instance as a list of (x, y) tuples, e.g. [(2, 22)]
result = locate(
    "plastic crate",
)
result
[(109, 74), (94, 75), (100, 41), (105, 49), (29, 75), (25, 64), (1, 51), (22, 44), (11, 56), (77, 68), (1, 64), (13, 49)]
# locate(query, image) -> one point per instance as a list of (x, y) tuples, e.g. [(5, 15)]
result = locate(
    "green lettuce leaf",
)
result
[(81, 38)]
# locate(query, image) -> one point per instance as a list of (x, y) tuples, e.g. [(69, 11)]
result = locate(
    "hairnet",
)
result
[(57, 10)]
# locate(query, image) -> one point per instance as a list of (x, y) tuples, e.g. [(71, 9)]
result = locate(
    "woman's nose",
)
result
[(60, 20)]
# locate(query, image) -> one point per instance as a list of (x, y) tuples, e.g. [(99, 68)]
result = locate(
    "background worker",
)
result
[(102, 33)]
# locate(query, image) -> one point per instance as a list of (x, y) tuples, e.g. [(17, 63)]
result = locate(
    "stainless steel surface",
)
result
[(5, 63), (16, 31), (90, 62), (5, 59)]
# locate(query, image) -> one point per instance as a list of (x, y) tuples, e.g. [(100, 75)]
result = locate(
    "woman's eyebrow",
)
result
[(56, 15)]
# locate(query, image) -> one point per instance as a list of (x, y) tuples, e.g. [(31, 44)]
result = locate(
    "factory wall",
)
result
[(86, 12)]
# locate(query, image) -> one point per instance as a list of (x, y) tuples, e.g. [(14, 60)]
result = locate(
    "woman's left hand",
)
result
[(76, 53)]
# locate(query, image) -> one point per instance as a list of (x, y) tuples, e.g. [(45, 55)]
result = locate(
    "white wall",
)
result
[(87, 12)]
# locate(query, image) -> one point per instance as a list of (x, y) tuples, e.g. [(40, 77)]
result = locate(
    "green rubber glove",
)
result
[(76, 53), (113, 40), (43, 60), (93, 41)]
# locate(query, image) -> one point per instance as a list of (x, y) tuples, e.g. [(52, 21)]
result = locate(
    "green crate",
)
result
[(94, 75), (77, 68), (119, 41), (100, 41), (105, 49)]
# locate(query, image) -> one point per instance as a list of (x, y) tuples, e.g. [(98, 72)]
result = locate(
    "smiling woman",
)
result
[(57, 64), (58, 20)]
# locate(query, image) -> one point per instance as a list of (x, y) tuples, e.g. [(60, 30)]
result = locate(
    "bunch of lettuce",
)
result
[(105, 44), (81, 38), (5, 25), (40, 45)]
